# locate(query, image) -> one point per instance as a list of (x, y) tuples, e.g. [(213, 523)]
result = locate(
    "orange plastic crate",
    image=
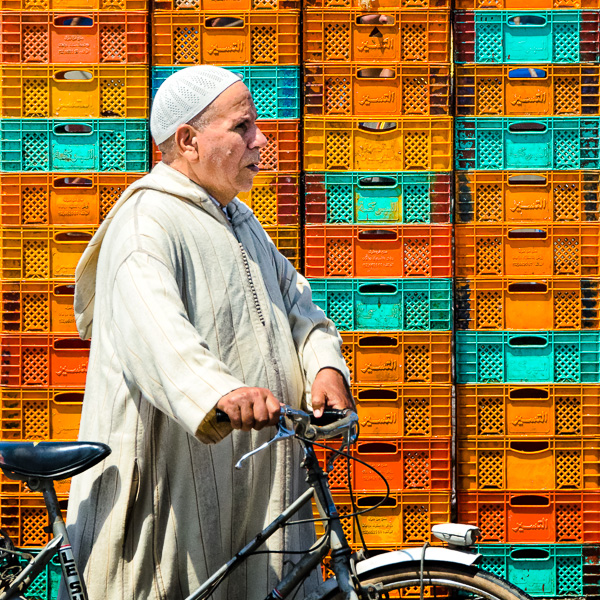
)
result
[(378, 251), (42, 199), (386, 89), (44, 361), (403, 357), (498, 303), (407, 464), (539, 90), (282, 152), (24, 518), (287, 240), (226, 5), (67, 37), (85, 91), (226, 38), (405, 519), (48, 253), (274, 199), (74, 4), (532, 518), (534, 410), (409, 36), (39, 307), (535, 249), (404, 410), (528, 464), (352, 144), (506, 196)]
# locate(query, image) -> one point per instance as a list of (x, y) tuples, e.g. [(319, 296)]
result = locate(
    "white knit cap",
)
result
[(184, 94)]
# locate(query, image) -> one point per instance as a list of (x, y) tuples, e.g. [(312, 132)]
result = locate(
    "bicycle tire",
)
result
[(472, 581)]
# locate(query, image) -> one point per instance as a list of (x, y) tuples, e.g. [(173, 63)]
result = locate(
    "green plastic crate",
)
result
[(67, 145), (386, 304), (528, 356), (45, 585)]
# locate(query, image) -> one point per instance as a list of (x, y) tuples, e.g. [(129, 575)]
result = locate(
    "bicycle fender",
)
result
[(439, 554)]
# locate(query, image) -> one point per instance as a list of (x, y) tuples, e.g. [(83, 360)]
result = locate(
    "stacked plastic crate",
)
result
[(378, 246), (73, 134), (527, 241), (259, 40)]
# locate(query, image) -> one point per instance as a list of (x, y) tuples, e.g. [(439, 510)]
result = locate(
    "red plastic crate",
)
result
[(377, 4), (378, 251), (415, 411), (532, 517), (68, 37), (536, 249), (407, 464), (42, 199), (398, 357), (409, 36), (44, 361), (534, 410), (226, 38)]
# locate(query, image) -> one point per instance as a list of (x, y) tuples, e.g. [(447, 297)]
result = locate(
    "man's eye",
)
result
[(243, 125)]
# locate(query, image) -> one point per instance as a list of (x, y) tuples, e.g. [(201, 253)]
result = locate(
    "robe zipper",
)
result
[(251, 282)]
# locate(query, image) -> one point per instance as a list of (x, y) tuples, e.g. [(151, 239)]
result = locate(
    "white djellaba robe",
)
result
[(187, 307)]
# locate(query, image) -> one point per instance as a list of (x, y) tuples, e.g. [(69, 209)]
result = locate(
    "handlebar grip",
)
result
[(222, 417)]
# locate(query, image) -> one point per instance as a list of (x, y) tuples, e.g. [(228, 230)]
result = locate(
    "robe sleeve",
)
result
[(162, 352)]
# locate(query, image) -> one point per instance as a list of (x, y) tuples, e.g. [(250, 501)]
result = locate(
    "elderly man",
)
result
[(191, 308)]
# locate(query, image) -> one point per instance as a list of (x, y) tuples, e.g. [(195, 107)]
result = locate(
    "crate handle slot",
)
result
[(528, 340), (378, 234), (377, 181), (377, 341), (527, 180), (366, 501), (526, 21), (529, 287), (375, 19), (527, 128), (69, 397), (72, 182), (528, 394), (72, 237), (376, 73), (377, 289), (527, 73), (377, 394), (65, 290), (71, 344), (73, 129), (73, 75), (377, 127), (377, 448), (533, 447), (530, 554), (74, 21), (529, 500), (527, 234), (225, 21)]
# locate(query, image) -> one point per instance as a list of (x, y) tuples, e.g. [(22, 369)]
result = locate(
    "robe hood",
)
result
[(166, 180)]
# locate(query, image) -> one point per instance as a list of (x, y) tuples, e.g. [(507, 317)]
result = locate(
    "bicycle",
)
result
[(436, 570)]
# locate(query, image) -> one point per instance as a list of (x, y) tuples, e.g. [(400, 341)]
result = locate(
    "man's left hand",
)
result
[(329, 391)]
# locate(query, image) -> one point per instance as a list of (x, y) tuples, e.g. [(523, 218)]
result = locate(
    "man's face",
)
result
[(229, 145)]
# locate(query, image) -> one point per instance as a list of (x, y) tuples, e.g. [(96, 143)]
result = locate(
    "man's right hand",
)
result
[(250, 408)]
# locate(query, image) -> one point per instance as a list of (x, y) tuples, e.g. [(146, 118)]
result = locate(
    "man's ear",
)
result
[(186, 141)]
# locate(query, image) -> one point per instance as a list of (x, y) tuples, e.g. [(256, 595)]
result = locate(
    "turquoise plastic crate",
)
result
[(67, 145), (386, 304), (396, 197), (527, 144), (528, 356), (543, 570), (275, 90), (527, 36), (45, 585)]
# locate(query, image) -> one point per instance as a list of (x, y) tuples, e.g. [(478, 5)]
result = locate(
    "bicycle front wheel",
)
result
[(441, 580)]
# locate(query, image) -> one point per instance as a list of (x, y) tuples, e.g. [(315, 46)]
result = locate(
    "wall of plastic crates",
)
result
[(527, 154)]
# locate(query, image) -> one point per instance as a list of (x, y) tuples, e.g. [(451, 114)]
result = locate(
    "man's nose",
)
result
[(260, 140)]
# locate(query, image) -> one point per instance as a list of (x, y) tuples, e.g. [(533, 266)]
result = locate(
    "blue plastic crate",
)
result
[(527, 144), (528, 356), (526, 36), (66, 145), (396, 197), (275, 90), (390, 304), (543, 570)]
